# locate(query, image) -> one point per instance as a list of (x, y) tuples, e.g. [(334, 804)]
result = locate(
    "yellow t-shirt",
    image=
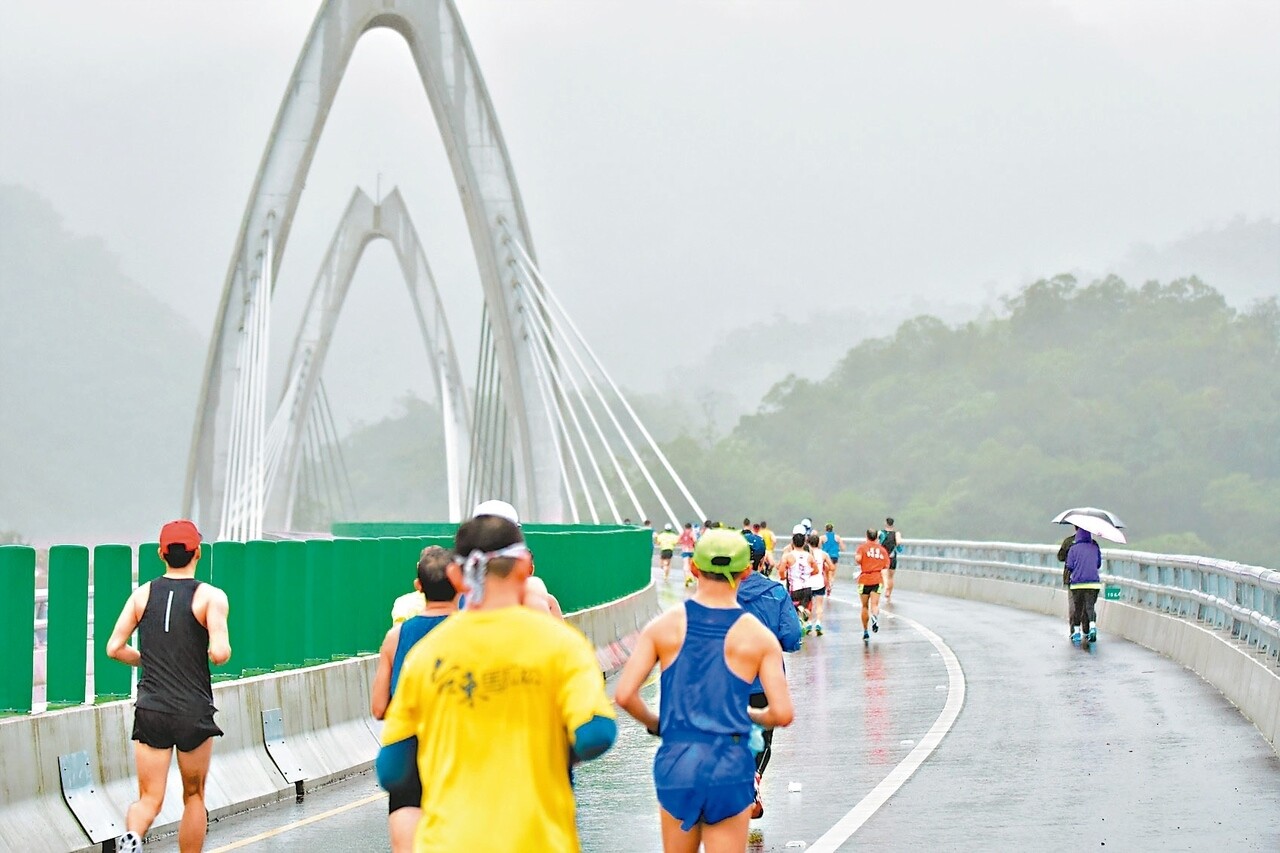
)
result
[(492, 697)]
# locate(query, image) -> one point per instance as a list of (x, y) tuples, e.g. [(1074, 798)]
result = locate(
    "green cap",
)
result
[(722, 552)]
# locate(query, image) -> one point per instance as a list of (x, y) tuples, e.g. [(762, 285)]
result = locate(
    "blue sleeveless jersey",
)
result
[(699, 693), (411, 631), (704, 770)]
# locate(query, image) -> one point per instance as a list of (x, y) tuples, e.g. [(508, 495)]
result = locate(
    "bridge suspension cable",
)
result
[(553, 342)]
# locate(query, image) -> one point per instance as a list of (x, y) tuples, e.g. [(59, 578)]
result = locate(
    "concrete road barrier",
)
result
[(1241, 675), (612, 628), (325, 711)]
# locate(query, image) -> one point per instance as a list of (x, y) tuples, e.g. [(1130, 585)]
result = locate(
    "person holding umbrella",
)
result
[(1084, 563), (1093, 522)]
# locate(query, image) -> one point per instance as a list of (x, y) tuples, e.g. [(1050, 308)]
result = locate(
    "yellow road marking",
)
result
[(297, 823)]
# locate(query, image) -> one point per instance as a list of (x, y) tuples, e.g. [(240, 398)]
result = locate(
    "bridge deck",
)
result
[(1054, 748)]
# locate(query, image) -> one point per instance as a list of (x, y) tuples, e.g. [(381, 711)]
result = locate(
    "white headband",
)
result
[(475, 567)]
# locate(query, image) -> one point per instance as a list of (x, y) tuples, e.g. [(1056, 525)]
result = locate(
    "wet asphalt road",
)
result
[(1054, 749)]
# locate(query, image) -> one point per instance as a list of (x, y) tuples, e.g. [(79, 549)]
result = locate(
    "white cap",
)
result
[(502, 509), (667, 526), (799, 528)]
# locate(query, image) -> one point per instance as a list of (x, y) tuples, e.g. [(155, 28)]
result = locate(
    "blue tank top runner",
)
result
[(701, 698), (411, 631)]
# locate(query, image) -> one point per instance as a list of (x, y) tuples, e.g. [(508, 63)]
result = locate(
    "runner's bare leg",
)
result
[(194, 768), (153, 768)]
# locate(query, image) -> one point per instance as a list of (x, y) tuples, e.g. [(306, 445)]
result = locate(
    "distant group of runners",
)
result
[(806, 566)]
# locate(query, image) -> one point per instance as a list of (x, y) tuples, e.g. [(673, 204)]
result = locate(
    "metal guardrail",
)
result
[(1241, 600)]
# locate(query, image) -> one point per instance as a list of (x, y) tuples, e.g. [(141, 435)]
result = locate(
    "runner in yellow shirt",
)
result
[(495, 703)]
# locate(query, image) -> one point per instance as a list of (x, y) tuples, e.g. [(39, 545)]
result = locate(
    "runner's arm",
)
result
[(638, 667), (118, 643), (588, 714), (398, 758), (215, 619), (779, 712), (380, 693)]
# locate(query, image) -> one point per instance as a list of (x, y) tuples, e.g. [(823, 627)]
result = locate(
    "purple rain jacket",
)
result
[(1084, 561)]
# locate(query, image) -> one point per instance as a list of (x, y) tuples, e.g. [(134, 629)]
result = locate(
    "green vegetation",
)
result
[(396, 466), (1160, 402)]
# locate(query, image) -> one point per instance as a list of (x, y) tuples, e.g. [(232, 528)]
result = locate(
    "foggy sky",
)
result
[(687, 168)]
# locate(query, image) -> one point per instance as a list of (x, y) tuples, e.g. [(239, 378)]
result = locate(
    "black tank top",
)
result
[(175, 652)]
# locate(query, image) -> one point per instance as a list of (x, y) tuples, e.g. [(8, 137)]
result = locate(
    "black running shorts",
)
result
[(802, 597), (868, 589), (817, 592), (666, 553), (159, 730), (893, 562), (408, 797)]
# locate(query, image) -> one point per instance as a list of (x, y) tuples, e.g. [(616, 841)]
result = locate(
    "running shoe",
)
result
[(875, 624), (1093, 635), (1076, 636), (688, 581), (129, 843), (817, 628), (865, 636)]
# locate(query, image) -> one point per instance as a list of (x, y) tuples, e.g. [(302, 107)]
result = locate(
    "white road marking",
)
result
[(858, 815)]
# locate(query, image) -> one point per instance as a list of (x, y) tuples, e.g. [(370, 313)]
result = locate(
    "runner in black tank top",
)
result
[(175, 652), (182, 626)]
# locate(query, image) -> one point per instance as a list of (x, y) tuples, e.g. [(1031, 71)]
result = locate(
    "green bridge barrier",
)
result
[(293, 603), (583, 565), (17, 626), (112, 586), (66, 663)]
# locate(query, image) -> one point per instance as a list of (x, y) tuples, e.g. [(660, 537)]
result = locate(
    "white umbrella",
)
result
[(1096, 526), (1106, 515)]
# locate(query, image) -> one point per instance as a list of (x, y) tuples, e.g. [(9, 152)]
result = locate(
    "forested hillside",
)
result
[(1160, 402)]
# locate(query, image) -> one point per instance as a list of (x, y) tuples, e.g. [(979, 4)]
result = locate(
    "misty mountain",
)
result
[(1160, 402), (1241, 258), (731, 373), (98, 385), (397, 467)]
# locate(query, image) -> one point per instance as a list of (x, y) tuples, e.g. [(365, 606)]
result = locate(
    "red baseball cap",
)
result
[(181, 532)]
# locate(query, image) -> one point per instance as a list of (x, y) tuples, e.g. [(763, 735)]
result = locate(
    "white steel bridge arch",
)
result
[(362, 222), (228, 450)]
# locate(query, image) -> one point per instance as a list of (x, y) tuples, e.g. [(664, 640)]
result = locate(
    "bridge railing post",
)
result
[(228, 574), (66, 663), (290, 583), (345, 615), (112, 586), (17, 627), (317, 602), (260, 607)]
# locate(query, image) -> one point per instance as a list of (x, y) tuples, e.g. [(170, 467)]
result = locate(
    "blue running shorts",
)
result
[(704, 782)]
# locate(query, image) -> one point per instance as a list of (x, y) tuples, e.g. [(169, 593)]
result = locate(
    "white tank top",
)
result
[(818, 581), (801, 567)]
